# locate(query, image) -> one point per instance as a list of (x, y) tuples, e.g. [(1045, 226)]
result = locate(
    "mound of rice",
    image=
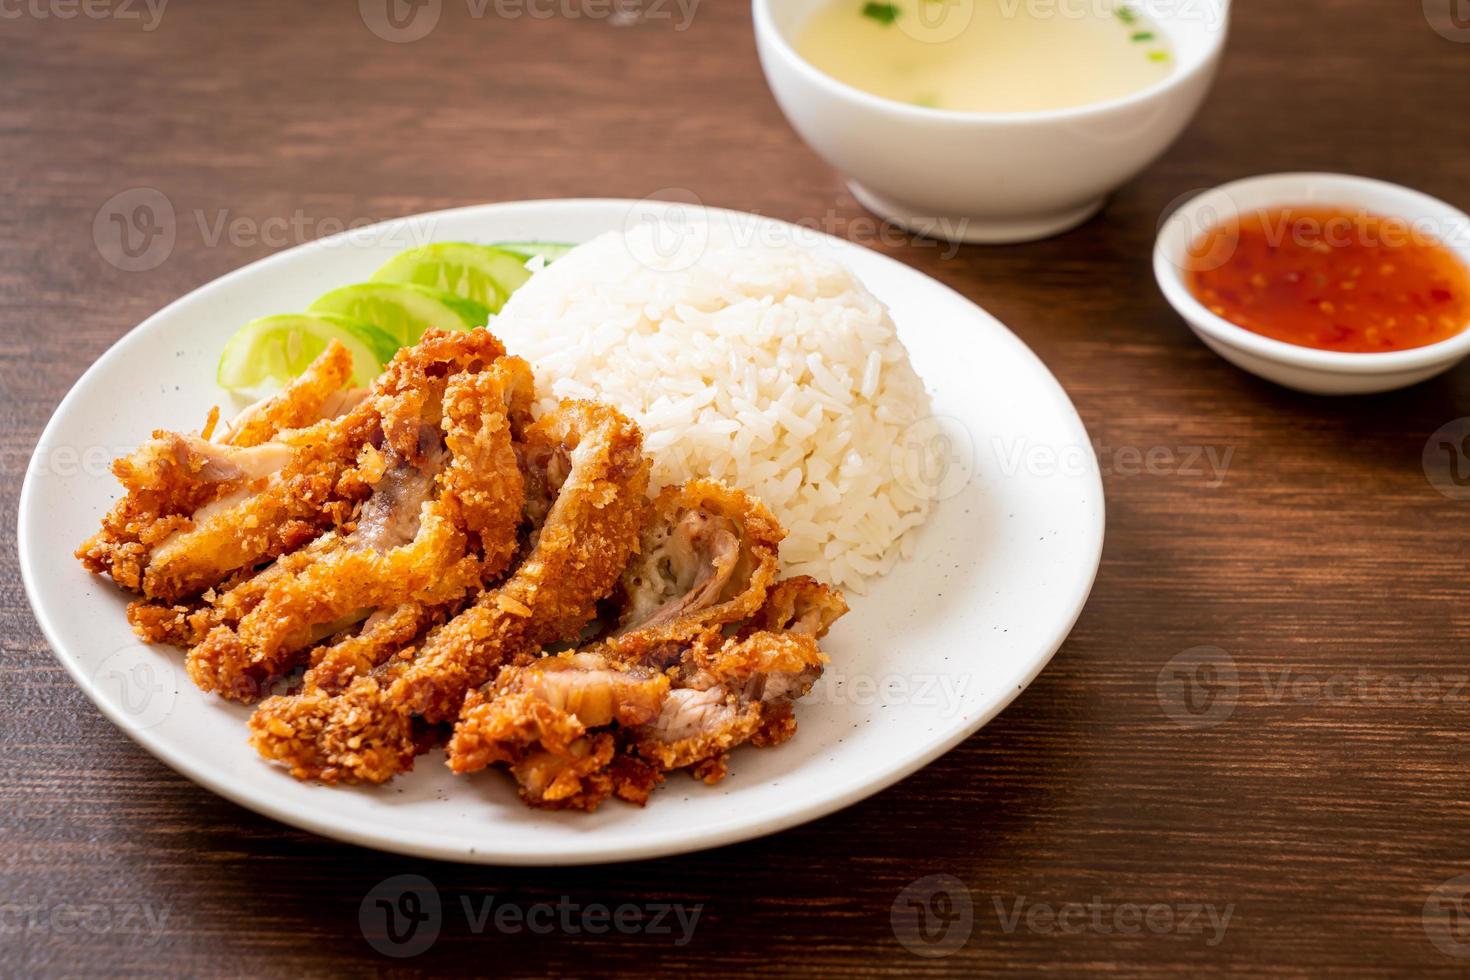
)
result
[(746, 360)]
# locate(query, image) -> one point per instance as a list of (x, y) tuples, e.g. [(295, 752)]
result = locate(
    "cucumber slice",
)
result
[(403, 310), (478, 272), (280, 347), (550, 251)]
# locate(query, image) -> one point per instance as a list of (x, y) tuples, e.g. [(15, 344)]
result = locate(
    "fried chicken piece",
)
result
[(800, 605), (714, 693), (536, 718), (542, 719), (169, 479), (387, 632), (410, 543), (156, 621), (331, 588), (707, 555), (317, 394), (483, 487), (300, 487), (742, 688), (584, 464), (272, 514), (343, 737), (580, 550), (741, 692), (177, 484)]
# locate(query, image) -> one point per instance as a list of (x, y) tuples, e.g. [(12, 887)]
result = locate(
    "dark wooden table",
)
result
[(1322, 804)]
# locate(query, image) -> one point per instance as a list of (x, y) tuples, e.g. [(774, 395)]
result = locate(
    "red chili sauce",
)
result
[(1332, 278)]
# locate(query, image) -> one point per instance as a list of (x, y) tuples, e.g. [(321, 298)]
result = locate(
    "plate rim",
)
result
[(720, 835)]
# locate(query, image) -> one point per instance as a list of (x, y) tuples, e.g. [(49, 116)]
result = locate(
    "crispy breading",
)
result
[(801, 605), (707, 556), (279, 511), (578, 727), (344, 585), (591, 457), (580, 551), (419, 546), (411, 540), (344, 737), (313, 396), (706, 564), (483, 487), (551, 703), (155, 621), (175, 482), (270, 515), (385, 634), (739, 692)]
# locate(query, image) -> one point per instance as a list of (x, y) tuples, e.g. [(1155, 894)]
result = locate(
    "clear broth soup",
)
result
[(988, 55)]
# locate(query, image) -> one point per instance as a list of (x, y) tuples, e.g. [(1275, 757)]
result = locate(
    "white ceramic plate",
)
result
[(930, 654)]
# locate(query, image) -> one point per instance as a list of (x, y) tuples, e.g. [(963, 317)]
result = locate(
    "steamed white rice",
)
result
[(747, 360)]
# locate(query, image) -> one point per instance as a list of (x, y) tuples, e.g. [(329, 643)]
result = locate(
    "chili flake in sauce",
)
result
[(1332, 279)]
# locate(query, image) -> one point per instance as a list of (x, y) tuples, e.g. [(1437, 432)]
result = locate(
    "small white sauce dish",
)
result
[(1320, 372), (988, 176)]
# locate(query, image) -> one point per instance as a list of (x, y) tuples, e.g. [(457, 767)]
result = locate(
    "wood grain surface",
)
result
[(1323, 806)]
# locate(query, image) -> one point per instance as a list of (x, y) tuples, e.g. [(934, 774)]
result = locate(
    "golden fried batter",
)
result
[(579, 727), (707, 555), (317, 394), (589, 533), (591, 458), (410, 542), (196, 511), (418, 546)]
